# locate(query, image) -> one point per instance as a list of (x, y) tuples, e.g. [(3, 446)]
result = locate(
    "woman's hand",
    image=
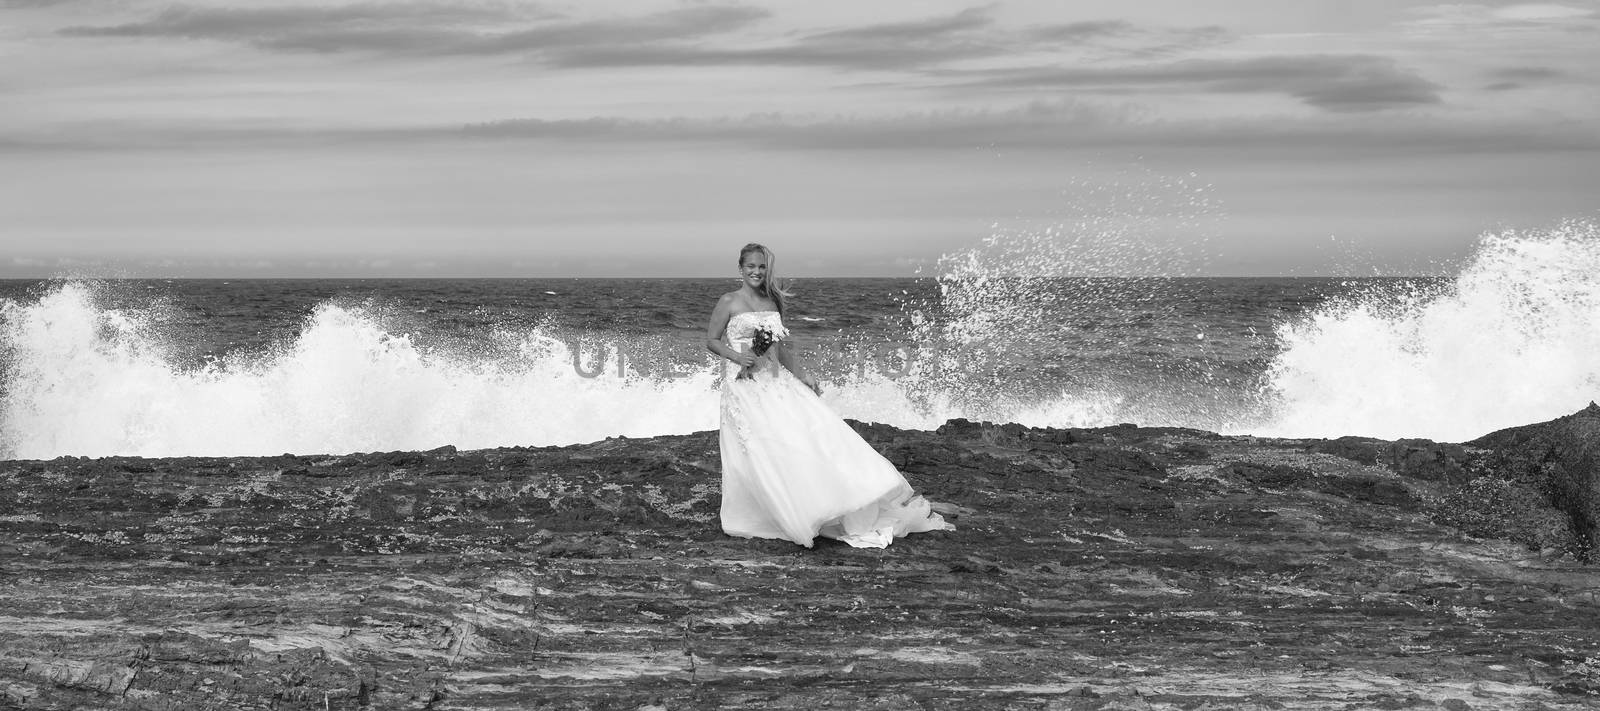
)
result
[(745, 360)]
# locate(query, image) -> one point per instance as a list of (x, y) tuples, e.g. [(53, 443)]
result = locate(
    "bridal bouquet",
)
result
[(761, 341)]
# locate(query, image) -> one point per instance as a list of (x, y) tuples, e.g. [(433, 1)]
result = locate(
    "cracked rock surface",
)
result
[(1111, 568)]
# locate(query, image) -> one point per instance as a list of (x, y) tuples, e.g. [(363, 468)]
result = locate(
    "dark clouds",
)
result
[(1056, 124), (1529, 73), (1065, 126), (981, 111), (676, 25), (1521, 77), (921, 45), (925, 49), (1080, 31), (914, 31), (665, 39), (258, 24), (857, 56), (916, 45), (1039, 127), (884, 46), (1336, 83), (423, 29)]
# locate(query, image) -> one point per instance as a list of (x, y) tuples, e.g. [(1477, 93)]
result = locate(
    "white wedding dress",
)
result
[(793, 469)]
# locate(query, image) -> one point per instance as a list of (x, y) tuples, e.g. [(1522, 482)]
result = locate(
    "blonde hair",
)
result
[(770, 288)]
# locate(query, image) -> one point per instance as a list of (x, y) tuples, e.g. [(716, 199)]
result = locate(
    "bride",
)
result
[(791, 468)]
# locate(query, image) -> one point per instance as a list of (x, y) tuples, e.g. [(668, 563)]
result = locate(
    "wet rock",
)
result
[(1362, 450), (1371, 489), (1428, 460), (1490, 506), (1093, 568), (1559, 459), (1272, 476)]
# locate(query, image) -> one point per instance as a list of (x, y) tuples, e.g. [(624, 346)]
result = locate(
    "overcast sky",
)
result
[(654, 137)]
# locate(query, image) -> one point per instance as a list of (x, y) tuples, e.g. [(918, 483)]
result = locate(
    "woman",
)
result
[(791, 468)]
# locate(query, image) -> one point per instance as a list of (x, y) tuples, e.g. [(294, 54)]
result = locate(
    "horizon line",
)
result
[(480, 277)]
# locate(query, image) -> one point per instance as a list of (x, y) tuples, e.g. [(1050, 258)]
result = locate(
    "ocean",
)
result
[(162, 368)]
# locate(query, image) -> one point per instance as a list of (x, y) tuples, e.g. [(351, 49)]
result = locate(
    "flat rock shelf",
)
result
[(1110, 568)]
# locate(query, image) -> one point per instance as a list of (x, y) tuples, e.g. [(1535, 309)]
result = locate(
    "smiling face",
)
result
[(753, 267)]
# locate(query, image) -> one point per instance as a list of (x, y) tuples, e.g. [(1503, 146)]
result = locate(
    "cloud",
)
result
[(1519, 77), (858, 56), (1347, 83), (920, 45), (914, 31), (681, 24), (1121, 39), (1029, 124), (1065, 125), (1079, 31), (896, 45), (1542, 12), (402, 27), (421, 28), (1524, 17), (1039, 126), (1529, 73), (1179, 42), (664, 39), (265, 23)]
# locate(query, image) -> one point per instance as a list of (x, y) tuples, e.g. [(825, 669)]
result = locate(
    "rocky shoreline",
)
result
[(1109, 568)]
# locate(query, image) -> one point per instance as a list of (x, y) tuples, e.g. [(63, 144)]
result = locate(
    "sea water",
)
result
[(260, 367)]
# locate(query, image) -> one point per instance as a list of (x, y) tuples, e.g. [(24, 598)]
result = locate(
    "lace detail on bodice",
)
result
[(742, 327), (741, 331)]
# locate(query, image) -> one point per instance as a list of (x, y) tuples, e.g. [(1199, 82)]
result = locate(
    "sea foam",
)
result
[(85, 379), (1514, 338), (1510, 339), (82, 379)]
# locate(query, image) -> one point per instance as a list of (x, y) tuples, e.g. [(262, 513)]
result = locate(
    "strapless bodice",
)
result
[(743, 326)]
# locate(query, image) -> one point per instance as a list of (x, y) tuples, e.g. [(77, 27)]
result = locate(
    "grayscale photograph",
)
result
[(659, 355)]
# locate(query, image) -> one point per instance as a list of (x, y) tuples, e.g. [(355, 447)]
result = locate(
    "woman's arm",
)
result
[(719, 325), (792, 362)]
